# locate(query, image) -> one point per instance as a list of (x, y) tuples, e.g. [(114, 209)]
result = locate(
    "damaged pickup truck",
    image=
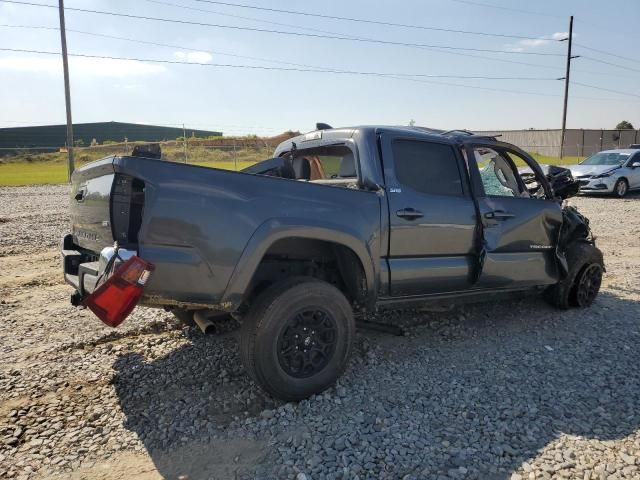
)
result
[(340, 223)]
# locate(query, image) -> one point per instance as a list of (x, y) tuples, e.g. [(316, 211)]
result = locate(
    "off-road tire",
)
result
[(621, 188), (185, 316), (583, 259), (269, 323)]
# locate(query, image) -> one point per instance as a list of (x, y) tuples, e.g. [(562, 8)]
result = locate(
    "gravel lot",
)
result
[(490, 391)]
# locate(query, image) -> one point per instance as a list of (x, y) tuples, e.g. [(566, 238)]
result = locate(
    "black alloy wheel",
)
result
[(307, 342), (588, 285), (296, 337)]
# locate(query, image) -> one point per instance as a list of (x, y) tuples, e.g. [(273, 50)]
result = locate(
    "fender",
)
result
[(276, 229)]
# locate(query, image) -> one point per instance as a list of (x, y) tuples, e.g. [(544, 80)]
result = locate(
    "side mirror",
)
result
[(635, 164)]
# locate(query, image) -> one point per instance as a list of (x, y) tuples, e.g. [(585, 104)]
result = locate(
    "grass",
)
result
[(51, 168), (26, 173)]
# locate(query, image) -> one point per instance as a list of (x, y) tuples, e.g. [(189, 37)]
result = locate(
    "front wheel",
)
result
[(296, 338), (582, 283), (621, 188)]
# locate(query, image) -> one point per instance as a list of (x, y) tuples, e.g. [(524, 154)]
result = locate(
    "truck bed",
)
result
[(202, 227)]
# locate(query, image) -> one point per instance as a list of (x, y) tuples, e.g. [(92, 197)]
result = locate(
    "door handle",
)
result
[(498, 215), (409, 213)]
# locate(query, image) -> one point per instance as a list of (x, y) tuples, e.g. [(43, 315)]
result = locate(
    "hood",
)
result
[(590, 170)]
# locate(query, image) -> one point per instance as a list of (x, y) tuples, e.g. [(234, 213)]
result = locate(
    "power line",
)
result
[(169, 4), (285, 69), (306, 67), (280, 32), (607, 53), (406, 77), (500, 7), (369, 21), (531, 12), (385, 75), (310, 69), (469, 55), (501, 60), (606, 89), (606, 74), (604, 62), (168, 45)]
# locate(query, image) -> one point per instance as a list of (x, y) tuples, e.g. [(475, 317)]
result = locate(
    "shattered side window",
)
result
[(493, 179), (498, 178)]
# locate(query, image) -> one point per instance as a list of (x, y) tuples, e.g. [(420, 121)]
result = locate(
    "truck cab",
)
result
[(456, 216)]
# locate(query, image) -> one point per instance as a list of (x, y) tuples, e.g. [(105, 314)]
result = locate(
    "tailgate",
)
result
[(90, 212)]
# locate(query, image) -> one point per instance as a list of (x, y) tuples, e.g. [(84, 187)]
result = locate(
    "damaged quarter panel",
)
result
[(203, 226)]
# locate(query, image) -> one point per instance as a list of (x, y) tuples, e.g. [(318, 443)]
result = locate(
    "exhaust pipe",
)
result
[(204, 323)]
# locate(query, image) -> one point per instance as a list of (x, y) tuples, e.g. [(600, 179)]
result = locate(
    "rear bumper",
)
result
[(82, 269)]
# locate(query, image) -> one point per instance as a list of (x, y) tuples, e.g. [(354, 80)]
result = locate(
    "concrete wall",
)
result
[(577, 143)]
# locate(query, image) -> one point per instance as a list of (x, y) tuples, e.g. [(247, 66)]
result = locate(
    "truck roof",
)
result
[(332, 135)]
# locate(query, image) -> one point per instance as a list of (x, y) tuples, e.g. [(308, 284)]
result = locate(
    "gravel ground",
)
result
[(511, 389)]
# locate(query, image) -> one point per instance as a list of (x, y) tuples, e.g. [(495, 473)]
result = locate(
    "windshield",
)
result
[(607, 158)]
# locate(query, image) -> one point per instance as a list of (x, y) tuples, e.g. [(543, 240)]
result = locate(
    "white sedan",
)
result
[(611, 171)]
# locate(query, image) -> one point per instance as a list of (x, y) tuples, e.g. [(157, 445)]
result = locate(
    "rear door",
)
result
[(432, 217), (520, 230)]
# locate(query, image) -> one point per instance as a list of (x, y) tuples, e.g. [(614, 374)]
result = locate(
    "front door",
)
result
[(520, 229), (432, 217)]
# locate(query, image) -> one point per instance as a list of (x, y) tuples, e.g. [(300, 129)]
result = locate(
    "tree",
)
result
[(412, 122), (624, 125)]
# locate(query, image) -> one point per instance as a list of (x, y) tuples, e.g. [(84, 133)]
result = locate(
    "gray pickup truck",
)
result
[(338, 224)]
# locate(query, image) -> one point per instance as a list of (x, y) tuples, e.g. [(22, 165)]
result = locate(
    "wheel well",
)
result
[(621, 179), (331, 262)]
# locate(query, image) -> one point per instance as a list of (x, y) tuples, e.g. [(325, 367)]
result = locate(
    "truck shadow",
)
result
[(487, 387)]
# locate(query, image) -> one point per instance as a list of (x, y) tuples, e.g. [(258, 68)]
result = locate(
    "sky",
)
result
[(416, 85)]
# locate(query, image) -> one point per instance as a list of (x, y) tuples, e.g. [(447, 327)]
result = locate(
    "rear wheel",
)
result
[(621, 188), (582, 283), (296, 338)]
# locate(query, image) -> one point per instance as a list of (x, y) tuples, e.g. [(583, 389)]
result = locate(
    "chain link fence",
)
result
[(30, 162), (230, 153), (226, 153)]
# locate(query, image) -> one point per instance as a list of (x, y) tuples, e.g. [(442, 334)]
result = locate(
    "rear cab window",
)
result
[(333, 165)]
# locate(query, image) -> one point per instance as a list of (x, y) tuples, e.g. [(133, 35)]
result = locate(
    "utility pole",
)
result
[(566, 86), (67, 91)]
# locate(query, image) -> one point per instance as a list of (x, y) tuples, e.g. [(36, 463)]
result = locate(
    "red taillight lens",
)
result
[(114, 300)]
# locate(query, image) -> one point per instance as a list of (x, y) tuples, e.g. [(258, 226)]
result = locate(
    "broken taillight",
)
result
[(114, 300)]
